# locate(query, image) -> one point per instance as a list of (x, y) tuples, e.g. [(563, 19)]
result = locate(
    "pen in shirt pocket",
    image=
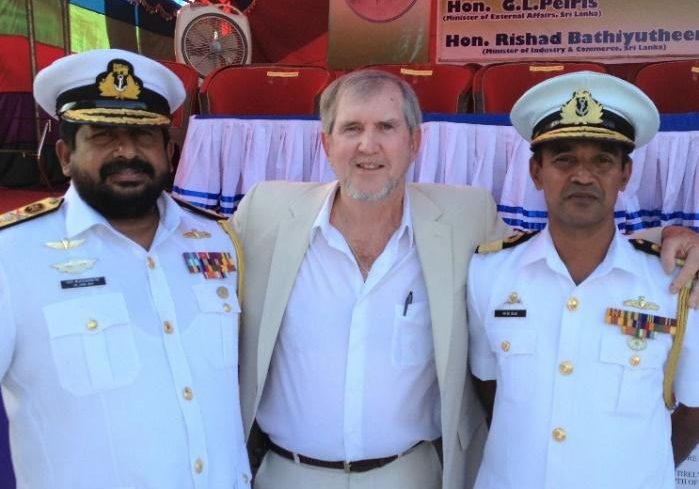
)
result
[(408, 301)]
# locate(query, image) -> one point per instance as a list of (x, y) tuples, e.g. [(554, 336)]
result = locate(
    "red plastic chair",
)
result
[(625, 71), (180, 119), (672, 85), (263, 90), (190, 79), (497, 87), (439, 88)]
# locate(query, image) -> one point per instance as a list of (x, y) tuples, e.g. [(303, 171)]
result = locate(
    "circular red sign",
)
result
[(380, 10)]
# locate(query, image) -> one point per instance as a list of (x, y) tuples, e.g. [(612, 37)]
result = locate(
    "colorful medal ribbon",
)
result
[(640, 324), (211, 264)]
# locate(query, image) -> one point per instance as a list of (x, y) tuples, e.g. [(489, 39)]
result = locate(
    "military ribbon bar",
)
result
[(640, 324), (211, 264)]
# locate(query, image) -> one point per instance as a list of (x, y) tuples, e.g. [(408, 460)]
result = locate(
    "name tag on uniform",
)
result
[(78, 283), (510, 313)]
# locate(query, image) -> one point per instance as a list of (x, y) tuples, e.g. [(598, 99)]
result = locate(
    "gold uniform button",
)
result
[(150, 262), (635, 361), (559, 434), (222, 292), (505, 345), (198, 466), (227, 307), (572, 304), (168, 327), (91, 325), (565, 368), (187, 393)]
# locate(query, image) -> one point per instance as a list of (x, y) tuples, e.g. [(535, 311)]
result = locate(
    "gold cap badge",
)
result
[(119, 82), (581, 109)]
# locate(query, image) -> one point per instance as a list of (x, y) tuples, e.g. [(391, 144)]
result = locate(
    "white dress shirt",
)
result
[(122, 374), (579, 404), (352, 376)]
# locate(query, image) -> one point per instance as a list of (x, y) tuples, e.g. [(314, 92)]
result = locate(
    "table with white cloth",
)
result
[(222, 157)]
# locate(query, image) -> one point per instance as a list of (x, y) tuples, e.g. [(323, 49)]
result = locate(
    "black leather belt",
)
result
[(356, 466)]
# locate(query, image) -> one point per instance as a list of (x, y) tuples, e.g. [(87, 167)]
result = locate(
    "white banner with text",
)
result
[(486, 31)]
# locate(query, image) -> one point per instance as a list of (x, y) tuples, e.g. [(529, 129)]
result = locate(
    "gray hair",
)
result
[(362, 83)]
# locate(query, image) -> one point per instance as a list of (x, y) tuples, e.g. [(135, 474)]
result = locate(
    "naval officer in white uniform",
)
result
[(118, 307), (575, 325)]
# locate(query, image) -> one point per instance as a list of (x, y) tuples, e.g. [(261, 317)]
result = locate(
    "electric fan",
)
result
[(208, 37)]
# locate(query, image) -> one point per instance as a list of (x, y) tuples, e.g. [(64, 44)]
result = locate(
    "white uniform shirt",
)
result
[(576, 407), (127, 385), (352, 377)]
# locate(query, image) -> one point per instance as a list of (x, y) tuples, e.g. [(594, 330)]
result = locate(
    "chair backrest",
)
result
[(672, 85), (497, 87), (625, 71), (263, 90), (190, 79), (439, 88)]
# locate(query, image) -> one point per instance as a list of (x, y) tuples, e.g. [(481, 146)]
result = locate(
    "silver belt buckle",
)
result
[(346, 466)]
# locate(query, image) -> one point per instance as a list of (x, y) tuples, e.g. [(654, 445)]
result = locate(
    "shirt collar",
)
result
[(322, 222), (620, 255), (80, 216)]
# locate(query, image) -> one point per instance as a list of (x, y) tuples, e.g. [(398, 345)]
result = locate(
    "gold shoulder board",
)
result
[(509, 242), (197, 210), (646, 246), (651, 248), (30, 211)]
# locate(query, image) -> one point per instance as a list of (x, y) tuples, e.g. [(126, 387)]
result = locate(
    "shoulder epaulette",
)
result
[(197, 210), (30, 211), (652, 249), (509, 242), (646, 246)]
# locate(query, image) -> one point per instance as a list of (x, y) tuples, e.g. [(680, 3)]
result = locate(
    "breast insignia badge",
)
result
[(641, 303), (74, 265), (65, 244), (196, 234), (513, 298)]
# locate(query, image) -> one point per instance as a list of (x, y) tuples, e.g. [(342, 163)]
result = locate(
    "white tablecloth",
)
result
[(223, 157)]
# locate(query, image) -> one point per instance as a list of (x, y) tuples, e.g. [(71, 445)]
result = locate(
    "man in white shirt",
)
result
[(593, 364), (352, 353), (118, 307)]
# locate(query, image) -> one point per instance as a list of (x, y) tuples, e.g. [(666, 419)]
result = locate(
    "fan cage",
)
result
[(228, 31)]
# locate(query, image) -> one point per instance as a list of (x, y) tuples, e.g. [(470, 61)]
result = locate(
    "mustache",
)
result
[(119, 164), (579, 190)]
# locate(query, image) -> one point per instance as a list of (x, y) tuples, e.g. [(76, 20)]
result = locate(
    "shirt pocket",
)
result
[(515, 349), (631, 381), (92, 343), (217, 322), (412, 343)]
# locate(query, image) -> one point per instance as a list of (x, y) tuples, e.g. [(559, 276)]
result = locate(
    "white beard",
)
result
[(348, 188)]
